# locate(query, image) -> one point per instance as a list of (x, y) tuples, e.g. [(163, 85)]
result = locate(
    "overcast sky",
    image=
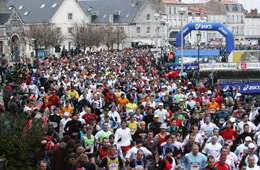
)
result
[(248, 4)]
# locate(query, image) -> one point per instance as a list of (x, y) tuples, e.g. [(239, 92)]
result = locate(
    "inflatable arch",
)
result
[(222, 29)]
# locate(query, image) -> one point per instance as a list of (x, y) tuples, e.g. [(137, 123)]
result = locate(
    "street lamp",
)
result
[(198, 40), (182, 12), (157, 17), (167, 34)]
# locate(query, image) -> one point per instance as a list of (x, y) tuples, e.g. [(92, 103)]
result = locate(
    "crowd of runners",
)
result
[(126, 111)]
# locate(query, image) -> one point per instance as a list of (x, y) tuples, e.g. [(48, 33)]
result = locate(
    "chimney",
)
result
[(254, 12), (133, 2)]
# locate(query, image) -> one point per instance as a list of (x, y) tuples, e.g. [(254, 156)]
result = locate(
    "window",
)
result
[(58, 29), (69, 15), (42, 6), (10, 8), (170, 10), (174, 10), (148, 16), (54, 5), (20, 7), (26, 13), (239, 7), (230, 7), (148, 30), (89, 9), (233, 19), (138, 30), (104, 16), (242, 21), (70, 29)]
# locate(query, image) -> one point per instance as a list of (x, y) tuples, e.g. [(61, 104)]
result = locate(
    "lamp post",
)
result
[(182, 12), (157, 17), (198, 40)]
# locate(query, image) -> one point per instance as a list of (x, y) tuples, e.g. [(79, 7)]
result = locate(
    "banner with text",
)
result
[(249, 66), (218, 66), (247, 87)]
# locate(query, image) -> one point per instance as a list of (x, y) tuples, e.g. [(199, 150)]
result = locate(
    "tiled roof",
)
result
[(173, 2), (4, 17), (203, 10), (35, 11), (105, 8)]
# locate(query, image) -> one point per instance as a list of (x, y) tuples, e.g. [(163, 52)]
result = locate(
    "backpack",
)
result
[(46, 158)]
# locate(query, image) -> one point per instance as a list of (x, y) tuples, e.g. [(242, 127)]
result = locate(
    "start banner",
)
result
[(246, 87)]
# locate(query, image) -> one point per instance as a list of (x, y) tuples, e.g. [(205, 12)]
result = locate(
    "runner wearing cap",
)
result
[(155, 125), (63, 122), (162, 135), (242, 149), (112, 142), (251, 152), (162, 113)]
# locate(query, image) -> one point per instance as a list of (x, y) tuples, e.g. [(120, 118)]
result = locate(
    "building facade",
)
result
[(252, 27)]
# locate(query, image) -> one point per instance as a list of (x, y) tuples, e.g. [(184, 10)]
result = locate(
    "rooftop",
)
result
[(203, 10), (35, 11)]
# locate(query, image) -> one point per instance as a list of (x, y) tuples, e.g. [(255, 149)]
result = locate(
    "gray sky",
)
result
[(248, 4)]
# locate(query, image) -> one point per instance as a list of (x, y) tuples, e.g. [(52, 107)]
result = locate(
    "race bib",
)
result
[(54, 124), (229, 142), (132, 131), (113, 166), (139, 167), (221, 120), (195, 166), (91, 150)]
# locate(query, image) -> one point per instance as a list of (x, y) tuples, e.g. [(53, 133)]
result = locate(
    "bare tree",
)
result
[(86, 35), (120, 35), (109, 36), (57, 37), (37, 35), (76, 34)]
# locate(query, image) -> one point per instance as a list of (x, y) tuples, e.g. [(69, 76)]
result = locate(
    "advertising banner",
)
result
[(249, 66), (186, 67), (218, 66), (246, 87), (246, 56)]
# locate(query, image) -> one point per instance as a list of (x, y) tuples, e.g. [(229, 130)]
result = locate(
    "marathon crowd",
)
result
[(123, 110)]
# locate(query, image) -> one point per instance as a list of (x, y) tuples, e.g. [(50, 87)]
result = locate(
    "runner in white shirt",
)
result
[(162, 113), (243, 148), (252, 127), (212, 148), (207, 128), (252, 165), (198, 137), (64, 121), (133, 151)]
